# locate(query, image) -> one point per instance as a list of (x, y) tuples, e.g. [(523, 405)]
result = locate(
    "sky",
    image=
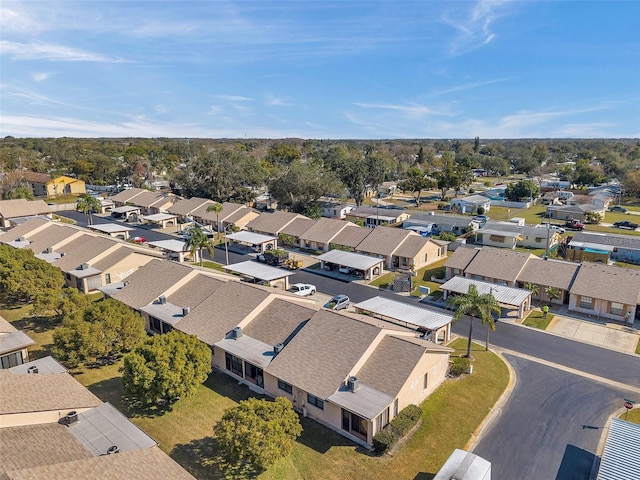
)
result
[(320, 69)]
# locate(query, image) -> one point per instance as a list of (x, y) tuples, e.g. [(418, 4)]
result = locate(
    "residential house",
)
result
[(232, 216), (548, 274), (511, 235), (14, 211), (290, 234), (349, 238), (439, 223), (497, 236), (471, 204), (184, 208), (375, 216), (321, 234), (43, 185), (606, 292), (457, 263), (272, 223), (13, 345), (53, 427), (151, 203), (594, 246), (387, 189), (494, 265), (579, 212), (125, 197), (336, 209)]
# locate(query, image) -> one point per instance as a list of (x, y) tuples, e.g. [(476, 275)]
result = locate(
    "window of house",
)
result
[(107, 278), (315, 401), (355, 424), (425, 381), (383, 419), (616, 308), (404, 261), (497, 238), (166, 328), (426, 258), (254, 374), (284, 386), (233, 364), (395, 407), (155, 324), (586, 302), (68, 275), (12, 360)]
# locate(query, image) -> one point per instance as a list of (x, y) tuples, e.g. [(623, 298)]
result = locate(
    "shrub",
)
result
[(459, 366), (384, 439), (397, 428)]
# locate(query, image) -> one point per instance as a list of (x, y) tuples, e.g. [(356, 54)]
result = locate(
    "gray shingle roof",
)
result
[(298, 226), (12, 339), (126, 195), (323, 353), (228, 209), (384, 240), (52, 235), (113, 258), (278, 321), (609, 239), (498, 263), (83, 251), (272, 223), (221, 311), (150, 281), (351, 237), (550, 273), (23, 229), (390, 364), (195, 291), (462, 257), (412, 246), (324, 230), (608, 282), (42, 392), (188, 205)]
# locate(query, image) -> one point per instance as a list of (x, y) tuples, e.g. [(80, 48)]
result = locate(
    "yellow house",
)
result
[(43, 185)]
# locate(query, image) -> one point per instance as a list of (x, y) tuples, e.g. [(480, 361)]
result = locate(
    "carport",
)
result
[(125, 211), (515, 297), (261, 273), (254, 242), (113, 230), (435, 325), (162, 219), (371, 266), (173, 249)]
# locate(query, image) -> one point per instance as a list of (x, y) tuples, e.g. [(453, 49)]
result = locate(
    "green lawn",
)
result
[(536, 319), (632, 416), (422, 278), (211, 265), (185, 431), (638, 348)]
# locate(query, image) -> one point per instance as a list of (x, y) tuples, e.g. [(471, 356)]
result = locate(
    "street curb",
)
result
[(496, 410)]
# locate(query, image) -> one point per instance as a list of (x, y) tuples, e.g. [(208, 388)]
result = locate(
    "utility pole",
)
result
[(546, 252)]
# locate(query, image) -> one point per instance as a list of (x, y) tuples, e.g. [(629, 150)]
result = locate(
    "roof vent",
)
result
[(32, 369), (62, 254), (71, 417), (277, 348), (162, 300), (185, 311), (48, 250), (125, 283), (113, 449), (84, 266), (236, 332), (21, 239), (353, 384)]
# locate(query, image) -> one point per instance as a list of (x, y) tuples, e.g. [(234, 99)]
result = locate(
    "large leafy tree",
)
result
[(23, 277), (524, 189), (358, 169), (452, 176), (166, 367), (476, 306), (104, 329), (259, 431), (88, 204), (198, 241), (415, 182), (301, 185)]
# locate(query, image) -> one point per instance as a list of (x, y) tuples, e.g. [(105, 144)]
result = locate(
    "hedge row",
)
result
[(459, 366), (397, 428)]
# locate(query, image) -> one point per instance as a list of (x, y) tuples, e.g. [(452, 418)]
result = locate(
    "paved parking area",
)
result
[(614, 337)]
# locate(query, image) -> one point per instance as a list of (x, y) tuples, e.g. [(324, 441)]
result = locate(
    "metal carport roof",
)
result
[(405, 313), (502, 293), (350, 259), (258, 270), (251, 238)]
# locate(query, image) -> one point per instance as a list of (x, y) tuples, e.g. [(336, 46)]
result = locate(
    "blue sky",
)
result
[(318, 69)]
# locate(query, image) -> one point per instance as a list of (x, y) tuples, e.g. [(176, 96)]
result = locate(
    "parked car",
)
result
[(343, 269), (617, 208), (303, 289), (138, 240), (554, 228), (338, 302), (480, 219), (626, 224)]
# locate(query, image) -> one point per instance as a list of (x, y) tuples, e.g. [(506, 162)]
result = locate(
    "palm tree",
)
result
[(197, 241), (87, 204), (475, 305), (552, 293), (217, 208), (534, 287)]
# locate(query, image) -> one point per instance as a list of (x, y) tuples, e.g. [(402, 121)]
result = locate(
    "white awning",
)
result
[(404, 313), (125, 209), (249, 349), (250, 238), (170, 245), (258, 270), (111, 228), (356, 261), (159, 217), (502, 293)]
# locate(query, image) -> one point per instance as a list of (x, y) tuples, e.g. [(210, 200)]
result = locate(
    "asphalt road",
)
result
[(551, 425)]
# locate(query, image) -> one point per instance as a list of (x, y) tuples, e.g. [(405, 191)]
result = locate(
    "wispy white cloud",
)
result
[(468, 86), (48, 51), (32, 98), (410, 109), (18, 21), (233, 98), (474, 28), (41, 77), (274, 101)]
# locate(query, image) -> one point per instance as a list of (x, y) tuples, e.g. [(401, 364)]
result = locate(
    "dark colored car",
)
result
[(626, 224), (617, 208)]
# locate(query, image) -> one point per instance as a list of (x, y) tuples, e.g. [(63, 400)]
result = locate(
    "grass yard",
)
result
[(632, 416), (536, 319), (638, 348), (185, 430), (211, 265)]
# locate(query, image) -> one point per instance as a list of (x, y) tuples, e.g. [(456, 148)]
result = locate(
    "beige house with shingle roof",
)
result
[(232, 215), (606, 291), (272, 223), (549, 273), (184, 208), (321, 234), (497, 265), (20, 207), (13, 345), (418, 251), (349, 238), (459, 261), (126, 196), (294, 229)]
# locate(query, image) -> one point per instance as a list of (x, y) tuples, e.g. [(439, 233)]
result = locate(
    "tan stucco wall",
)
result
[(436, 365), (600, 309), (36, 418)]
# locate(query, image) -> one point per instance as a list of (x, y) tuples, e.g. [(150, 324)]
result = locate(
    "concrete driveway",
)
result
[(614, 337)]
